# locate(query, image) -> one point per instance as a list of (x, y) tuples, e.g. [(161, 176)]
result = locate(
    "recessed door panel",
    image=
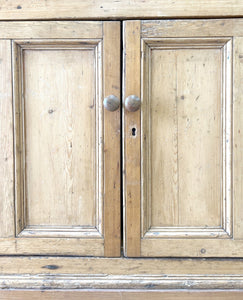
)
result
[(184, 121), (59, 118)]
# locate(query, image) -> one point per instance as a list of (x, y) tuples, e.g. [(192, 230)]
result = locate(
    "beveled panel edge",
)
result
[(186, 42), (60, 232), (185, 232)]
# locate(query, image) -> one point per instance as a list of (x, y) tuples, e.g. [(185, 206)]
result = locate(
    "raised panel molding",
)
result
[(224, 44), (23, 229)]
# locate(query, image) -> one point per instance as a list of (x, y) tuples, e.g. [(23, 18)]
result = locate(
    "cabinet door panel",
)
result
[(58, 132), (184, 135), (59, 142), (187, 180)]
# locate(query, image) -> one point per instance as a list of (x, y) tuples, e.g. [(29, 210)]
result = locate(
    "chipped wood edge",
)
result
[(106, 281), (110, 9)]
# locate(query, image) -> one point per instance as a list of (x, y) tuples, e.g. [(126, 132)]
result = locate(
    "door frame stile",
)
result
[(132, 144)]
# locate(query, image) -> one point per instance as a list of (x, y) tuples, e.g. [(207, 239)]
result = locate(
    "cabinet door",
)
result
[(62, 197), (183, 150)]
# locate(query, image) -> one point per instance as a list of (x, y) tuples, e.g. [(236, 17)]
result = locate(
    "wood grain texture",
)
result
[(51, 30), (53, 246), (110, 9), (112, 217), (199, 137), (53, 132), (59, 128), (120, 295), (190, 28), (187, 139), (194, 247), (58, 87), (238, 139), (34, 265), (6, 141), (106, 273), (132, 189)]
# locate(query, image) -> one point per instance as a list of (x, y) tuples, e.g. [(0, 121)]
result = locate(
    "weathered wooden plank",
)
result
[(89, 9), (190, 28), (119, 295), (51, 30), (52, 246), (191, 247), (118, 266)]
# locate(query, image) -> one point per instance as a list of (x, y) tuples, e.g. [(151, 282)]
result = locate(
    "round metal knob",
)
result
[(111, 103), (132, 103)]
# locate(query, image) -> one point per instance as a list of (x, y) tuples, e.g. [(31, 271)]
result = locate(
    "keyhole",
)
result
[(133, 131)]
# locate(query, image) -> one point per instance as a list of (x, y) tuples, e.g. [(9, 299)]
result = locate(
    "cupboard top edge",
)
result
[(118, 9)]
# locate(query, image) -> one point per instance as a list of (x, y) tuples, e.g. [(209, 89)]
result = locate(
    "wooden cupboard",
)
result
[(157, 177)]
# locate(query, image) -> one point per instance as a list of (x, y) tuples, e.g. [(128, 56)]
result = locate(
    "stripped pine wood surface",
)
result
[(112, 164), (120, 295), (110, 9), (187, 178), (132, 192), (59, 145)]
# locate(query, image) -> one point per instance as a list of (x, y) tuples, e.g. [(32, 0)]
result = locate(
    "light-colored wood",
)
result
[(112, 158), (6, 143), (131, 125), (61, 175), (199, 137), (190, 28), (76, 9), (51, 30), (183, 267), (121, 266), (59, 126), (105, 273), (68, 244), (186, 140), (120, 295), (238, 139), (191, 247), (177, 132), (56, 198)]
